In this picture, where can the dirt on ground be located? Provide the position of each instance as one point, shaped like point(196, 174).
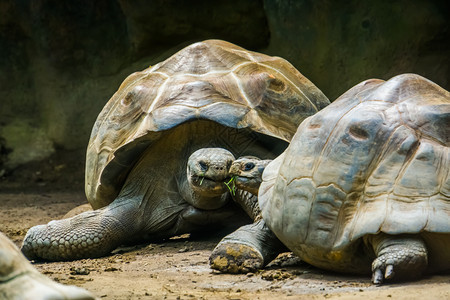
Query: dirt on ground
point(175, 268)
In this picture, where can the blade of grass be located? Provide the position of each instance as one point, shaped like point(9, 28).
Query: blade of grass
point(232, 188)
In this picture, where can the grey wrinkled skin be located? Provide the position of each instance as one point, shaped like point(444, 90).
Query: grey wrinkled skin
point(211, 94)
point(19, 280)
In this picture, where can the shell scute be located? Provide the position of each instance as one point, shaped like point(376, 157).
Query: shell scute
point(324, 215)
point(403, 143)
point(426, 161)
point(202, 58)
point(299, 192)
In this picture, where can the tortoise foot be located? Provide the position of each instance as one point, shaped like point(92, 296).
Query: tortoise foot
point(236, 258)
point(249, 248)
point(399, 259)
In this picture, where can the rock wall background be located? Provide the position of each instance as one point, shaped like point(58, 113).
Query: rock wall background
point(60, 61)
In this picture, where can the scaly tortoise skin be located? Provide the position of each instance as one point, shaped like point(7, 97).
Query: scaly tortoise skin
point(144, 177)
point(19, 280)
point(364, 185)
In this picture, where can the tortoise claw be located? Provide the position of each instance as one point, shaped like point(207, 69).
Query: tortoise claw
point(377, 277)
point(389, 273)
point(399, 258)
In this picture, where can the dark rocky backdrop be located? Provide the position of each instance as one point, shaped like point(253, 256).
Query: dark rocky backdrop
point(60, 61)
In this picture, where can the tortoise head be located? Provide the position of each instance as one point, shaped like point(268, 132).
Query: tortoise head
point(247, 172)
point(207, 170)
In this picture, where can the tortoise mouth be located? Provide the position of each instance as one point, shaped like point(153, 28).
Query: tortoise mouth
point(249, 184)
point(243, 178)
point(207, 184)
point(242, 181)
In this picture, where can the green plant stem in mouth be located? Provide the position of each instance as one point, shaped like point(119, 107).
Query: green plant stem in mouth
point(201, 176)
point(231, 185)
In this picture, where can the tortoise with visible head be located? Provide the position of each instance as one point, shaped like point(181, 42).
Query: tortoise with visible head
point(20, 280)
point(251, 246)
point(364, 185)
point(144, 177)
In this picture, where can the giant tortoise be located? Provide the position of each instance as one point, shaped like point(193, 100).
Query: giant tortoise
point(143, 178)
point(363, 187)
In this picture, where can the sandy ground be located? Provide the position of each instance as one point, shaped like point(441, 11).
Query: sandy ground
point(178, 268)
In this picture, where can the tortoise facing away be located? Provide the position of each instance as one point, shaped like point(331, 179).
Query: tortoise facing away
point(161, 147)
point(19, 280)
point(364, 185)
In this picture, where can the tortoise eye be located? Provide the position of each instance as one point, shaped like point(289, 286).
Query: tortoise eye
point(248, 166)
point(203, 165)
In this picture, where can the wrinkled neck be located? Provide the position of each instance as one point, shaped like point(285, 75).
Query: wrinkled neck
point(161, 169)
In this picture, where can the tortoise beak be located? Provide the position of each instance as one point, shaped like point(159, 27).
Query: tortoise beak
point(235, 169)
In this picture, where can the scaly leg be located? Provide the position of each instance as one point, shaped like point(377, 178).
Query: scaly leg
point(89, 234)
point(398, 257)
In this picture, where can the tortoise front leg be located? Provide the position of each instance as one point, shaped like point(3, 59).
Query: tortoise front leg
point(89, 234)
point(249, 248)
point(401, 257)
